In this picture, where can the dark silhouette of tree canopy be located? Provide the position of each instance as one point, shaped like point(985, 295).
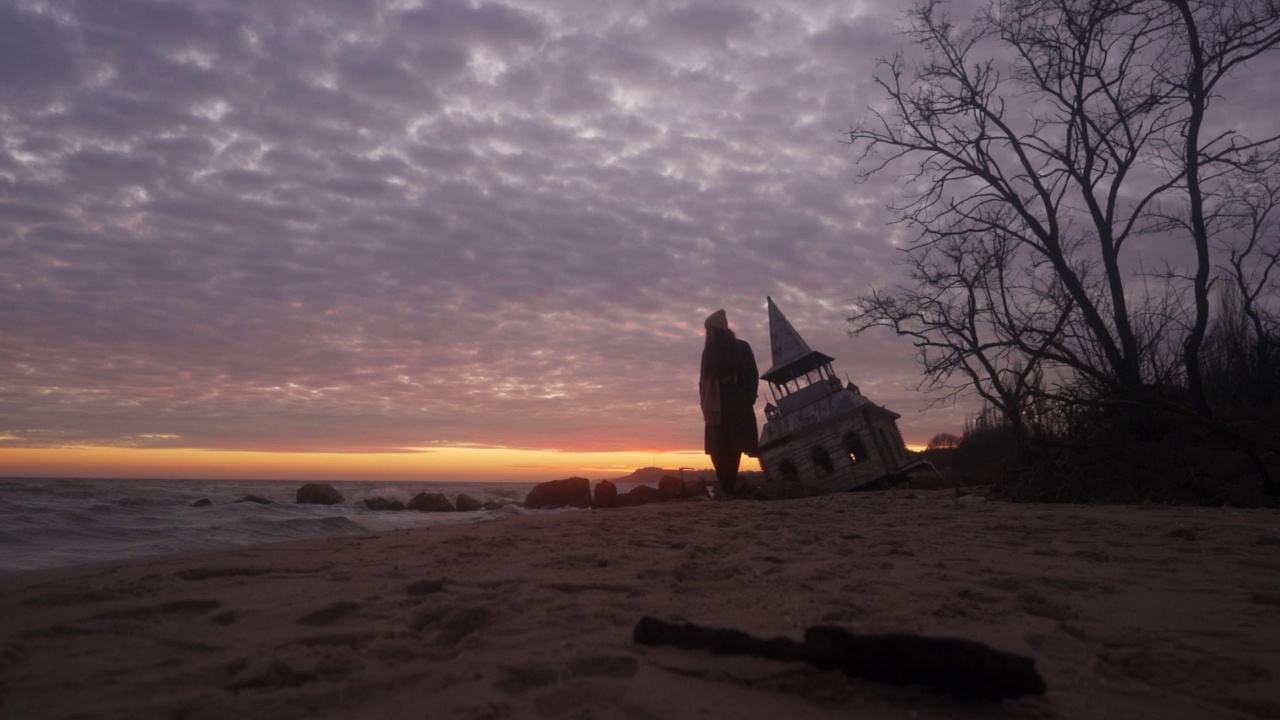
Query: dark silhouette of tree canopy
point(943, 441)
point(1050, 150)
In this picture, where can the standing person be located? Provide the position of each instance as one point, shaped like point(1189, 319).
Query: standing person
point(728, 388)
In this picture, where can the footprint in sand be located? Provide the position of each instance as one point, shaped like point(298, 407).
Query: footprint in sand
point(225, 617)
point(425, 587)
point(614, 666)
point(263, 675)
point(1166, 670)
point(452, 624)
point(53, 599)
point(54, 632)
point(219, 573)
point(327, 615)
point(177, 607)
point(519, 679)
point(1036, 604)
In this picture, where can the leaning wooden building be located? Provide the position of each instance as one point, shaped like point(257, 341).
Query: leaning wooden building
point(821, 435)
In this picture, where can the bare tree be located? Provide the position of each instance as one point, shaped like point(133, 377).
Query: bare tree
point(1046, 144)
point(1249, 319)
point(977, 322)
point(943, 441)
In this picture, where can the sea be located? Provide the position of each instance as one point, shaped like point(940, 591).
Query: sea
point(47, 523)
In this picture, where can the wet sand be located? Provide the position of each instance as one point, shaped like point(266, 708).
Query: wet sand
point(1128, 611)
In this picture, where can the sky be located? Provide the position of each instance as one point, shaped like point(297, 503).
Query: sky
point(424, 240)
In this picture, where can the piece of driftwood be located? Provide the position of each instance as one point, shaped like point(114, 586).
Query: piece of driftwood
point(962, 667)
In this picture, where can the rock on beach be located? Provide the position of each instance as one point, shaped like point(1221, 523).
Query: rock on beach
point(253, 499)
point(318, 494)
point(697, 488)
point(466, 503)
point(569, 492)
point(577, 492)
point(639, 495)
point(670, 487)
point(430, 502)
point(381, 503)
point(606, 495)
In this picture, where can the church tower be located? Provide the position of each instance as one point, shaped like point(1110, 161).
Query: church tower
point(821, 435)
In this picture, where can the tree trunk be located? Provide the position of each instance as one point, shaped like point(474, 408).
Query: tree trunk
point(1196, 100)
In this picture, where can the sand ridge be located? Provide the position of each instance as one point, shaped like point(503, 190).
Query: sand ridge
point(1128, 611)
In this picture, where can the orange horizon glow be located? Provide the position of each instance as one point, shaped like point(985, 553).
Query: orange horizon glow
point(451, 464)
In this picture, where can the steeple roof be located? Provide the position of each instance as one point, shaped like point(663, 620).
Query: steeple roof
point(792, 356)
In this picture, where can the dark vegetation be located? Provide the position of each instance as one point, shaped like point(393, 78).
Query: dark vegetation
point(1087, 452)
point(1096, 251)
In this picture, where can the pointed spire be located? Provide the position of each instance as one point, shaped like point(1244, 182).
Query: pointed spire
point(792, 356)
point(786, 343)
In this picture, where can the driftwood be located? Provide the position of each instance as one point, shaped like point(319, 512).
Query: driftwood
point(962, 667)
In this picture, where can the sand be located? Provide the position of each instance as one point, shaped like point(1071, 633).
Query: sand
point(1128, 611)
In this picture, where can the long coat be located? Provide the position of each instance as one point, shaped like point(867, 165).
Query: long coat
point(732, 367)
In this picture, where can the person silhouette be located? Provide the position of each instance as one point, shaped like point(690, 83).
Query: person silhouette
point(728, 388)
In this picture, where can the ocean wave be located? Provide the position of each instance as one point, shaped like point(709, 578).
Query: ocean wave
point(50, 523)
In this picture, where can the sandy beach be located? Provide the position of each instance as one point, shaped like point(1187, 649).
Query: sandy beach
point(1128, 612)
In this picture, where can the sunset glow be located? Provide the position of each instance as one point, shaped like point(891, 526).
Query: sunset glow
point(436, 464)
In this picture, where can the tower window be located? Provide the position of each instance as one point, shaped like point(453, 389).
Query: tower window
point(853, 445)
point(788, 471)
point(822, 461)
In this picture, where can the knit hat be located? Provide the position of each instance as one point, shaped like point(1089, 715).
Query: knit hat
point(717, 319)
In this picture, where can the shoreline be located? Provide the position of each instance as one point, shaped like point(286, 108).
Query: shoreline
point(1128, 611)
point(67, 522)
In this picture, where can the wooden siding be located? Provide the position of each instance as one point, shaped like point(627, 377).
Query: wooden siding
point(875, 431)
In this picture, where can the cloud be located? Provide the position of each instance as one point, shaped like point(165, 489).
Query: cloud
point(338, 226)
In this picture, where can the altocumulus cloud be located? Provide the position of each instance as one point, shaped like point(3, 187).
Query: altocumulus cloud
point(330, 225)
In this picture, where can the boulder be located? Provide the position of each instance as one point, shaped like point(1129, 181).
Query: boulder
point(381, 503)
point(570, 492)
point(606, 495)
point(254, 499)
point(430, 502)
point(670, 487)
point(639, 495)
point(466, 503)
point(318, 494)
point(697, 488)
point(202, 502)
